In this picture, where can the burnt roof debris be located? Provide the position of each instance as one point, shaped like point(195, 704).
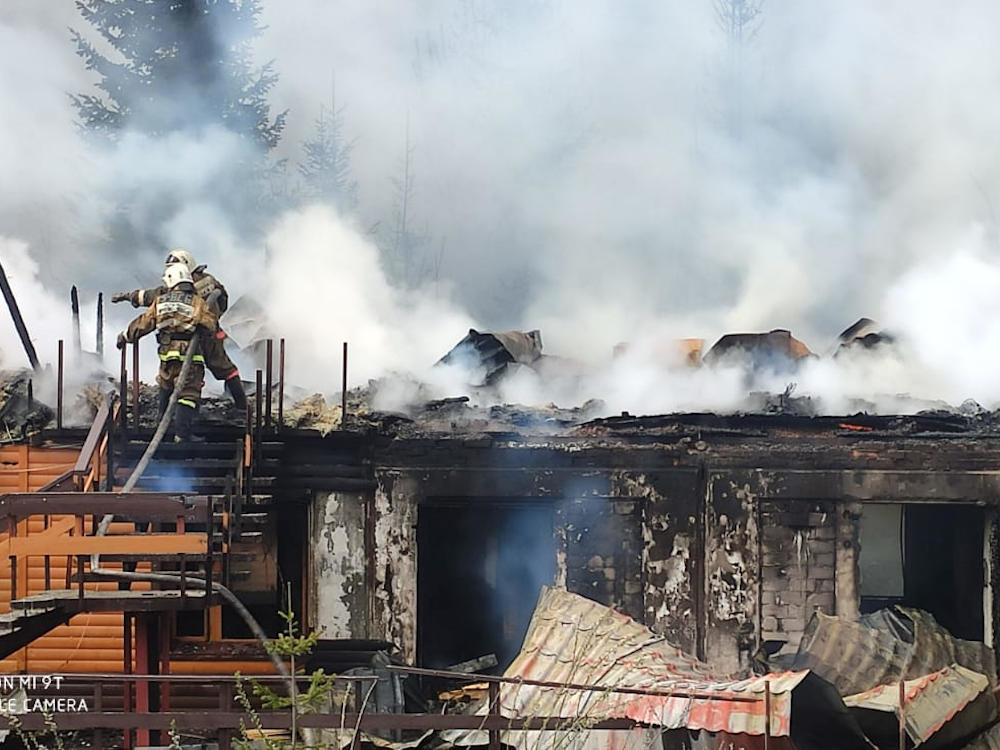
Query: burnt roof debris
point(485, 357)
point(776, 350)
point(865, 333)
point(619, 668)
point(21, 414)
point(951, 683)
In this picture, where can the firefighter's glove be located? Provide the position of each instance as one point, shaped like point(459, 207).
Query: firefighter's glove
point(121, 296)
point(120, 343)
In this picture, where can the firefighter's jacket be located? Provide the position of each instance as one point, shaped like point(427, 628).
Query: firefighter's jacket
point(176, 315)
point(208, 287)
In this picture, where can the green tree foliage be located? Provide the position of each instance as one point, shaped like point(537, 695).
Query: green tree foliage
point(326, 163)
point(177, 65)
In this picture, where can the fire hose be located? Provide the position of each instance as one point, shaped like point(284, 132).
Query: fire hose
point(133, 479)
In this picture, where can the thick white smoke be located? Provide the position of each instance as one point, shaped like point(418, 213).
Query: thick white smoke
point(605, 172)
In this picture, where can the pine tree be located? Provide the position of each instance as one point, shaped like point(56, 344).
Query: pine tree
point(326, 165)
point(185, 64)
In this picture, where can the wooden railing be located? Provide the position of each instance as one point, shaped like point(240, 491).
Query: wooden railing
point(95, 462)
point(69, 519)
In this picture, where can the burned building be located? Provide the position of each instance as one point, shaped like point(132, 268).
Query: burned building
point(734, 538)
point(718, 532)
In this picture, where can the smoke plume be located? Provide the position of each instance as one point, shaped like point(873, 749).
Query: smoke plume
point(604, 172)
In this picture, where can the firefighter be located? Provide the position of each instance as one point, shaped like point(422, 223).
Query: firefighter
point(177, 314)
point(214, 293)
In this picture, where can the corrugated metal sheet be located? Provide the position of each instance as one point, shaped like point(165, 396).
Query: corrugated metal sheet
point(890, 645)
point(575, 640)
point(930, 701)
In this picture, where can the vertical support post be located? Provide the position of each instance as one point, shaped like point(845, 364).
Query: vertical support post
point(210, 561)
point(494, 711)
point(281, 382)
point(225, 706)
point(59, 388)
point(100, 324)
point(183, 565)
point(767, 714)
point(127, 699)
point(135, 384)
point(268, 383)
point(13, 577)
point(79, 577)
point(110, 480)
point(48, 563)
point(99, 708)
point(258, 405)
point(74, 301)
point(142, 667)
point(164, 629)
point(123, 395)
point(902, 715)
point(343, 392)
point(31, 395)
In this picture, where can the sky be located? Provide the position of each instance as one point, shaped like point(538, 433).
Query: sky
point(603, 171)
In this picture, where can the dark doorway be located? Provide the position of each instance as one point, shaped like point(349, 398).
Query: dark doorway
point(926, 556)
point(480, 568)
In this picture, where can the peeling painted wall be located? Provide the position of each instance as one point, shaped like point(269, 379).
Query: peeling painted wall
point(338, 602)
point(393, 598)
point(732, 570)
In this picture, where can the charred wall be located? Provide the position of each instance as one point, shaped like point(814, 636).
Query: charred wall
point(714, 555)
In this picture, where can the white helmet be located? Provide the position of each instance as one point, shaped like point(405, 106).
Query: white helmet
point(180, 255)
point(176, 273)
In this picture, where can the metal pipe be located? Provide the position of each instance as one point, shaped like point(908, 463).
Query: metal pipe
point(281, 383)
point(343, 392)
point(135, 384)
point(267, 388)
point(15, 313)
point(100, 324)
point(74, 301)
point(59, 388)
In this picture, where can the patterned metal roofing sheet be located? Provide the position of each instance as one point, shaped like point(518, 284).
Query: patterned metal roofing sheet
point(885, 647)
point(575, 640)
point(930, 701)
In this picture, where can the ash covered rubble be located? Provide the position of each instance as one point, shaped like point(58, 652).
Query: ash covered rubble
point(487, 362)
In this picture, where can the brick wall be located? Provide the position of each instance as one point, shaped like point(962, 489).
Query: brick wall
point(798, 570)
point(603, 539)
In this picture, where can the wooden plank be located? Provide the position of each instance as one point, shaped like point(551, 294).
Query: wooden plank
point(148, 545)
point(146, 506)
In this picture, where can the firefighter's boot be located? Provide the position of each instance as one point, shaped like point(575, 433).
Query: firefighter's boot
point(235, 387)
point(184, 422)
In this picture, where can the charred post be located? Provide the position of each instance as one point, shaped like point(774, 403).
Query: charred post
point(268, 383)
point(343, 391)
point(74, 301)
point(123, 395)
point(100, 324)
point(281, 382)
point(59, 388)
point(258, 405)
point(135, 384)
point(15, 313)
